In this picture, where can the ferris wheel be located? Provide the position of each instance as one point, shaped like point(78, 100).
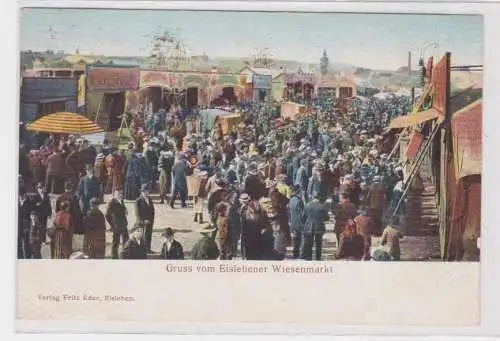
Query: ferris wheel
point(167, 52)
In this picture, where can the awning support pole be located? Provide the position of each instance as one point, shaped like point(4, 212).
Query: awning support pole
point(415, 167)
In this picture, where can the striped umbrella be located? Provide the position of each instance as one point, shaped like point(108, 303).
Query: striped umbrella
point(64, 123)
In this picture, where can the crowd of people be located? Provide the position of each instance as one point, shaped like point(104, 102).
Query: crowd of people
point(266, 185)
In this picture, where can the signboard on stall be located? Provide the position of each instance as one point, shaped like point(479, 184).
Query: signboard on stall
point(112, 79)
point(157, 78)
point(291, 78)
point(262, 81)
point(37, 89)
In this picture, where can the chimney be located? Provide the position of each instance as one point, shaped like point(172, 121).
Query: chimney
point(409, 63)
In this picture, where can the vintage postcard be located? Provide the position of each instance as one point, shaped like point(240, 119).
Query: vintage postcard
point(238, 167)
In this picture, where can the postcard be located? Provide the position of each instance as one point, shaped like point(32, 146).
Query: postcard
point(238, 167)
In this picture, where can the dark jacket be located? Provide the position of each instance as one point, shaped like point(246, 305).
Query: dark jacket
point(297, 213)
point(176, 251)
point(133, 250)
point(144, 210)
point(116, 216)
point(43, 206)
point(316, 216)
point(254, 187)
point(205, 249)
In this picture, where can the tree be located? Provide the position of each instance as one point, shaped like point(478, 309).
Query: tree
point(324, 62)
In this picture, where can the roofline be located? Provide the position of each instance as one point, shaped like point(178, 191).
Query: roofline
point(468, 107)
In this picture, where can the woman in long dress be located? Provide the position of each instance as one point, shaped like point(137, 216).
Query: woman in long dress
point(94, 224)
point(62, 233)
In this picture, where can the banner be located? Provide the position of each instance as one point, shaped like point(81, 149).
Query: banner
point(35, 90)
point(104, 79)
point(262, 81)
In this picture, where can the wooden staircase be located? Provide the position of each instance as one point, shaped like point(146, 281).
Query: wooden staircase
point(422, 216)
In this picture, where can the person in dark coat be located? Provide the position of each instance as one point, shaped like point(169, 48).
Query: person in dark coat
point(88, 188)
point(179, 172)
point(116, 216)
point(135, 247)
point(94, 224)
point(206, 248)
point(74, 207)
point(25, 207)
point(254, 186)
point(151, 158)
point(171, 249)
point(43, 208)
point(132, 177)
point(302, 180)
point(165, 164)
point(145, 214)
point(314, 228)
point(297, 215)
point(35, 236)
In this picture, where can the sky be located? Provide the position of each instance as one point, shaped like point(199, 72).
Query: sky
point(378, 41)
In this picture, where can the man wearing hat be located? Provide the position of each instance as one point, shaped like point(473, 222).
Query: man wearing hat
point(296, 209)
point(254, 187)
point(94, 224)
point(316, 215)
point(376, 200)
point(165, 164)
point(206, 248)
point(302, 179)
point(179, 172)
point(116, 216)
point(145, 214)
point(88, 188)
point(171, 249)
point(135, 247)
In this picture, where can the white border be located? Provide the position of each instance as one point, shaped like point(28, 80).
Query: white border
point(490, 233)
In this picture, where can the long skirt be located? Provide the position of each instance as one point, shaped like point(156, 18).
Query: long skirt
point(94, 244)
point(62, 244)
point(131, 188)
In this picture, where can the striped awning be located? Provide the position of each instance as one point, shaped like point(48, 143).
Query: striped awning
point(413, 119)
point(64, 123)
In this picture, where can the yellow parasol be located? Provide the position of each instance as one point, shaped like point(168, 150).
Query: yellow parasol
point(64, 123)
